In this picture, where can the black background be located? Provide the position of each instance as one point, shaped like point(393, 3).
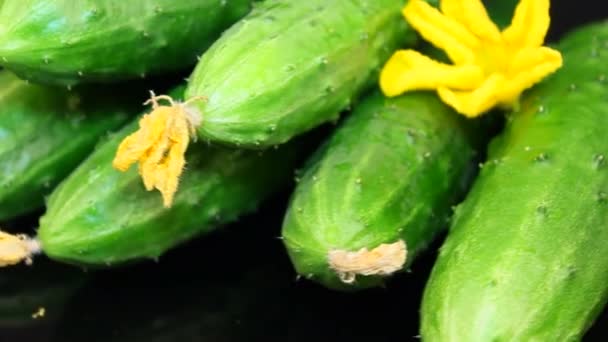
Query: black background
point(234, 285)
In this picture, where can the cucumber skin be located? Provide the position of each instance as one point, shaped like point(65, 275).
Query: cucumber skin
point(99, 216)
point(524, 259)
point(391, 171)
point(291, 65)
point(44, 133)
point(53, 41)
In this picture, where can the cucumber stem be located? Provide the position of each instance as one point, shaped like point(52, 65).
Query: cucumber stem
point(382, 260)
point(160, 144)
point(17, 248)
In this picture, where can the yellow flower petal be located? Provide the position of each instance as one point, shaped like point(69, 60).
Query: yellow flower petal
point(159, 146)
point(476, 102)
point(132, 148)
point(473, 15)
point(442, 31)
point(530, 67)
point(410, 70)
point(529, 25)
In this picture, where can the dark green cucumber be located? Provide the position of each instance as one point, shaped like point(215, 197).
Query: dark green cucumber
point(389, 173)
point(291, 65)
point(69, 42)
point(525, 258)
point(45, 132)
point(100, 216)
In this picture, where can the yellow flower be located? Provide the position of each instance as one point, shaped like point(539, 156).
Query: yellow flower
point(490, 68)
point(159, 145)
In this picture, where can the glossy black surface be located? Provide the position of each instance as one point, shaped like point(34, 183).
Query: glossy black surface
point(234, 285)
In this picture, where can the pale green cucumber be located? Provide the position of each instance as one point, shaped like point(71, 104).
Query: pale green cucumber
point(291, 65)
point(99, 216)
point(70, 42)
point(386, 177)
point(525, 258)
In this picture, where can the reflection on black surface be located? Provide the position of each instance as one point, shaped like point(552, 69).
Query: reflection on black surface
point(237, 285)
point(24, 290)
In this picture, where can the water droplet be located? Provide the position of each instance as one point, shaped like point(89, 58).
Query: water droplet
point(541, 157)
point(541, 109)
point(358, 180)
point(427, 154)
point(80, 73)
point(329, 89)
point(572, 87)
point(527, 148)
point(4, 59)
point(272, 128)
point(223, 3)
point(323, 60)
point(314, 178)
point(158, 9)
point(290, 67)
point(46, 60)
point(299, 210)
point(480, 165)
point(296, 179)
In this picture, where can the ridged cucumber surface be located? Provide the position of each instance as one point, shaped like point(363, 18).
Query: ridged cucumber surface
point(291, 65)
point(525, 258)
point(68, 42)
point(388, 175)
point(100, 216)
point(45, 132)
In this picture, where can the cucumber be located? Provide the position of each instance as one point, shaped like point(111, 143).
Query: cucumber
point(291, 65)
point(525, 256)
point(69, 42)
point(45, 132)
point(98, 217)
point(379, 190)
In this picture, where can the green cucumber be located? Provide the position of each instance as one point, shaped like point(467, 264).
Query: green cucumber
point(386, 177)
point(45, 132)
point(68, 42)
point(291, 65)
point(99, 216)
point(525, 256)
